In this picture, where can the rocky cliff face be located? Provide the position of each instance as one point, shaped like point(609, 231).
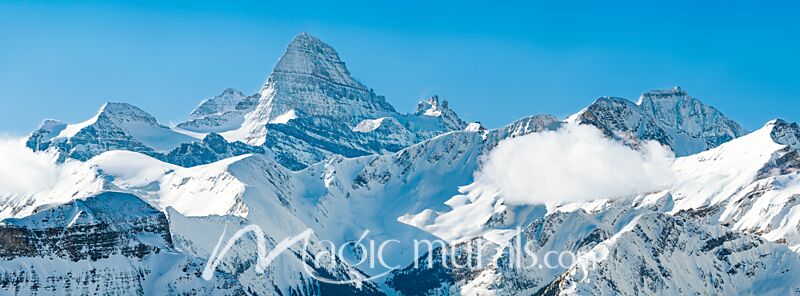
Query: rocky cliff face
point(90, 229)
point(105, 244)
point(310, 78)
point(658, 253)
point(670, 117)
point(212, 148)
point(675, 109)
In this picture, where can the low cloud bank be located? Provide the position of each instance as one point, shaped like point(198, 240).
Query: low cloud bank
point(574, 163)
point(23, 171)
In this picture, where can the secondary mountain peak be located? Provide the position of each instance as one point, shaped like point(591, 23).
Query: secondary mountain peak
point(221, 113)
point(671, 117)
point(675, 91)
point(116, 126)
point(676, 109)
point(126, 112)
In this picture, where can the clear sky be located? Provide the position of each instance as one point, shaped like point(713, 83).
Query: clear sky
point(495, 61)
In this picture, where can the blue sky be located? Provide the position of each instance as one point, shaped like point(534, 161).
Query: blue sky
point(494, 61)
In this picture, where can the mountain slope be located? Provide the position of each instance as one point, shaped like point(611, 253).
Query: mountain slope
point(237, 189)
point(106, 244)
point(398, 195)
point(661, 254)
point(120, 126)
point(750, 183)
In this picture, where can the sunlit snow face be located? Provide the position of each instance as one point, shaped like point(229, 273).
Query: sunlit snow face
point(574, 163)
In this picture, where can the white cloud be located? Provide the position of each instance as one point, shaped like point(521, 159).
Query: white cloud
point(574, 163)
point(22, 171)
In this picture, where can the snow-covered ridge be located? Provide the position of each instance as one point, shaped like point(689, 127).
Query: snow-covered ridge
point(121, 126)
point(221, 113)
point(309, 109)
point(716, 174)
point(259, 190)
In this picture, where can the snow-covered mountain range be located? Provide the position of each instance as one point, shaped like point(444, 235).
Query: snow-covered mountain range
point(142, 208)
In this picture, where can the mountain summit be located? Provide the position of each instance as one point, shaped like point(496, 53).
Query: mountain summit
point(671, 117)
point(309, 109)
point(307, 55)
point(116, 126)
point(310, 78)
point(675, 109)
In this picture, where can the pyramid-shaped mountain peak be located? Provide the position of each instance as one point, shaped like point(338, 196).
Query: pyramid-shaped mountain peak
point(309, 56)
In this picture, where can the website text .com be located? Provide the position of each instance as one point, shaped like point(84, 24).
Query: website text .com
point(366, 253)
